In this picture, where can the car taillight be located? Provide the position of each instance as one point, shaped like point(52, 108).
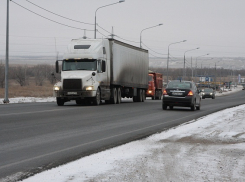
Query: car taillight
point(165, 92)
point(190, 93)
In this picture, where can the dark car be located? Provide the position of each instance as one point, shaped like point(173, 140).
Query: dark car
point(208, 93)
point(181, 93)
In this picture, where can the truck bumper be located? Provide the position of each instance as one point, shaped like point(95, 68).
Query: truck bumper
point(75, 94)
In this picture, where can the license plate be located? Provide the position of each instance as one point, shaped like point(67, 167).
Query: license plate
point(71, 93)
point(177, 93)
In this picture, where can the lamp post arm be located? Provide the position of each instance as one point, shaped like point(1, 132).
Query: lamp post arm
point(168, 55)
point(95, 17)
point(146, 29)
point(104, 6)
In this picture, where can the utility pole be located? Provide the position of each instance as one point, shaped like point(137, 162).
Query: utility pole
point(6, 100)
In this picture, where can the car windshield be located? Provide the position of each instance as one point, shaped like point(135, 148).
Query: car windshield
point(82, 64)
point(208, 90)
point(181, 85)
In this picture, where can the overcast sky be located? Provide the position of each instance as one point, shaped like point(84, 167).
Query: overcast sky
point(216, 26)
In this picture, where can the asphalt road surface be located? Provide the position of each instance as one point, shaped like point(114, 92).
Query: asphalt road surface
point(38, 136)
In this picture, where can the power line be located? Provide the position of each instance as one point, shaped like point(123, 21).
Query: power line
point(153, 50)
point(58, 14)
point(50, 19)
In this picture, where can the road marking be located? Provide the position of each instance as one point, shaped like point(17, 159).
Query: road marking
point(21, 113)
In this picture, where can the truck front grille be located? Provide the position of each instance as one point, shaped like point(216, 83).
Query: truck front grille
point(72, 84)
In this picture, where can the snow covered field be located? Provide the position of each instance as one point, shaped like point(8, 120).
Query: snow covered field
point(211, 148)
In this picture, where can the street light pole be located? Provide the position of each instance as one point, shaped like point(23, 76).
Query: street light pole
point(6, 100)
point(146, 29)
point(184, 72)
point(121, 1)
point(168, 54)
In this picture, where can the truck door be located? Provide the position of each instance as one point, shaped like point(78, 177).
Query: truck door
point(102, 78)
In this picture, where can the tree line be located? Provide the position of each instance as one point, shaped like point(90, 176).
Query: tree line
point(22, 73)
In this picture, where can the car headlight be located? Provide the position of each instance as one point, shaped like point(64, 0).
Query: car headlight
point(211, 93)
point(89, 88)
point(56, 88)
point(149, 91)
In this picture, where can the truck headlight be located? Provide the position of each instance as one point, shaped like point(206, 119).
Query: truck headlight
point(56, 88)
point(149, 91)
point(89, 88)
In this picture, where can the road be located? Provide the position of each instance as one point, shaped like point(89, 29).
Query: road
point(38, 136)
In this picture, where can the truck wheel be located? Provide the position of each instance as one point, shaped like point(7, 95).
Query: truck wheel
point(143, 95)
point(139, 95)
point(96, 100)
point(114, 95)
point(135, 98)
point(159, 95)
point(79, 101)
point(60, 102)
point(153, 97)
point(119, 96)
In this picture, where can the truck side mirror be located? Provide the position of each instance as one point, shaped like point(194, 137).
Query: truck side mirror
point(57, 66)
point(103, 66)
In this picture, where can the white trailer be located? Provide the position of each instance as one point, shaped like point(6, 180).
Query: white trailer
point(102, 69)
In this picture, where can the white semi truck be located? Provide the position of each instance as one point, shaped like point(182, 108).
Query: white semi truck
point(93, 70)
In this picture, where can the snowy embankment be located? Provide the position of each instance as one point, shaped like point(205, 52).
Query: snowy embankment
point(211, 148)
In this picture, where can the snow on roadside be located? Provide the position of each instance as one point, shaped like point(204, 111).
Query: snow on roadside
point(211, 148)
point(29, 99)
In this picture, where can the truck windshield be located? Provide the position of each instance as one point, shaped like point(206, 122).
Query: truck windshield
point(82, 64)
point(150, 78)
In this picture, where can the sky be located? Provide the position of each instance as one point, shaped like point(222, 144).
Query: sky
point(210, 148)
point(216, 26)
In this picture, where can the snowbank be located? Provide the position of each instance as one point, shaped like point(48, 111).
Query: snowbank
point(209, 149)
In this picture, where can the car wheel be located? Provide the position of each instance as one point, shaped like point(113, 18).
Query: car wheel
point(164, 106)
point(193, 107)
point(199, 106)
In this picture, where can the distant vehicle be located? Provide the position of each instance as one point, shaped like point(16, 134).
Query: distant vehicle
point(208, 93)
point(102, 69)
point(154, 85)
point(181, 93)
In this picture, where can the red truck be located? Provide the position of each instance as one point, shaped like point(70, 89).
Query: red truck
point(154, 85)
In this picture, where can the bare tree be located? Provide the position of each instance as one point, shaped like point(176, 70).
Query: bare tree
point(40, 74)
point(2, 75)
point(20, 75)
point(51, 75)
